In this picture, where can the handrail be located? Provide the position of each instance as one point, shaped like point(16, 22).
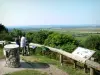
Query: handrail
point(93, 64)
point(90, 63)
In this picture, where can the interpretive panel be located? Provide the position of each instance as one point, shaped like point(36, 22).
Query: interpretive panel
point(83, 52)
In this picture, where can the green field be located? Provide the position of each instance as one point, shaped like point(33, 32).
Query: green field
point(77, 30)
point(79, 33)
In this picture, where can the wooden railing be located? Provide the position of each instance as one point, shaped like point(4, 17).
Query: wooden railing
point(90, 63)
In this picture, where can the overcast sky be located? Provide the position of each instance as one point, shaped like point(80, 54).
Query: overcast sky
point(47, 12)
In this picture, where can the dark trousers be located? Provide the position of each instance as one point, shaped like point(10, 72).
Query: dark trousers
point(23, 50)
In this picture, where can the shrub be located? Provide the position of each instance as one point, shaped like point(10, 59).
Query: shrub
point(16, 32)
point(38, 51)
point(97, 56)
point(68, 47)
point(66, 42)
point(39, 36)
point(5, 36)
point(93, 42)
point(29, 36)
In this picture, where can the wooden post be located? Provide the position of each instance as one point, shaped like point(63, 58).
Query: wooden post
point(85, 68)
point(61, 59)
point(28, 49)
point(3, 44)
point(91, 69)
point(75, 64)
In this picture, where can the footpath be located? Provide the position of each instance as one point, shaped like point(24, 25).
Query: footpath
point(49, 69)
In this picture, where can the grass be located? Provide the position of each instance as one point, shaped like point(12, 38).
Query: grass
point(39, 58)
point(73, 71)
point(68, 68)
point(1, 53)
point(26, 72)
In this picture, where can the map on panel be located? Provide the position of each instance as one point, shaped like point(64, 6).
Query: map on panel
point(83, 52)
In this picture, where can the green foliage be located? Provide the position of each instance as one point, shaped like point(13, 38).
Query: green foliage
point(41, 36)
point(1, 52)
point(46, 52)
point(38, 51)
point(38, 37)
point(5, 36)
point(93, 42)
point(3, 28)
point(68, 47)
point(97, 56)
point(16, 32)
point(29, 36)
point(52, 55)
point(63, 41)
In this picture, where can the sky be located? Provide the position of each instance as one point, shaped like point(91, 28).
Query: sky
point(49, 12)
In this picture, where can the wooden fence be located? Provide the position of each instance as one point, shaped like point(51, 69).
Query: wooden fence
point(90, 63)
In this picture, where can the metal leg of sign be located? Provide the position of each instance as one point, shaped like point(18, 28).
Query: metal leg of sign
point(75, 64)
point(85, 68)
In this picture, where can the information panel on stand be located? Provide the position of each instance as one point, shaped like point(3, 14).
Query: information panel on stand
point(83, 52)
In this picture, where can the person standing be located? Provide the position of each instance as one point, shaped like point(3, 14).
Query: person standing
point(23, 44)
point(17, 40)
